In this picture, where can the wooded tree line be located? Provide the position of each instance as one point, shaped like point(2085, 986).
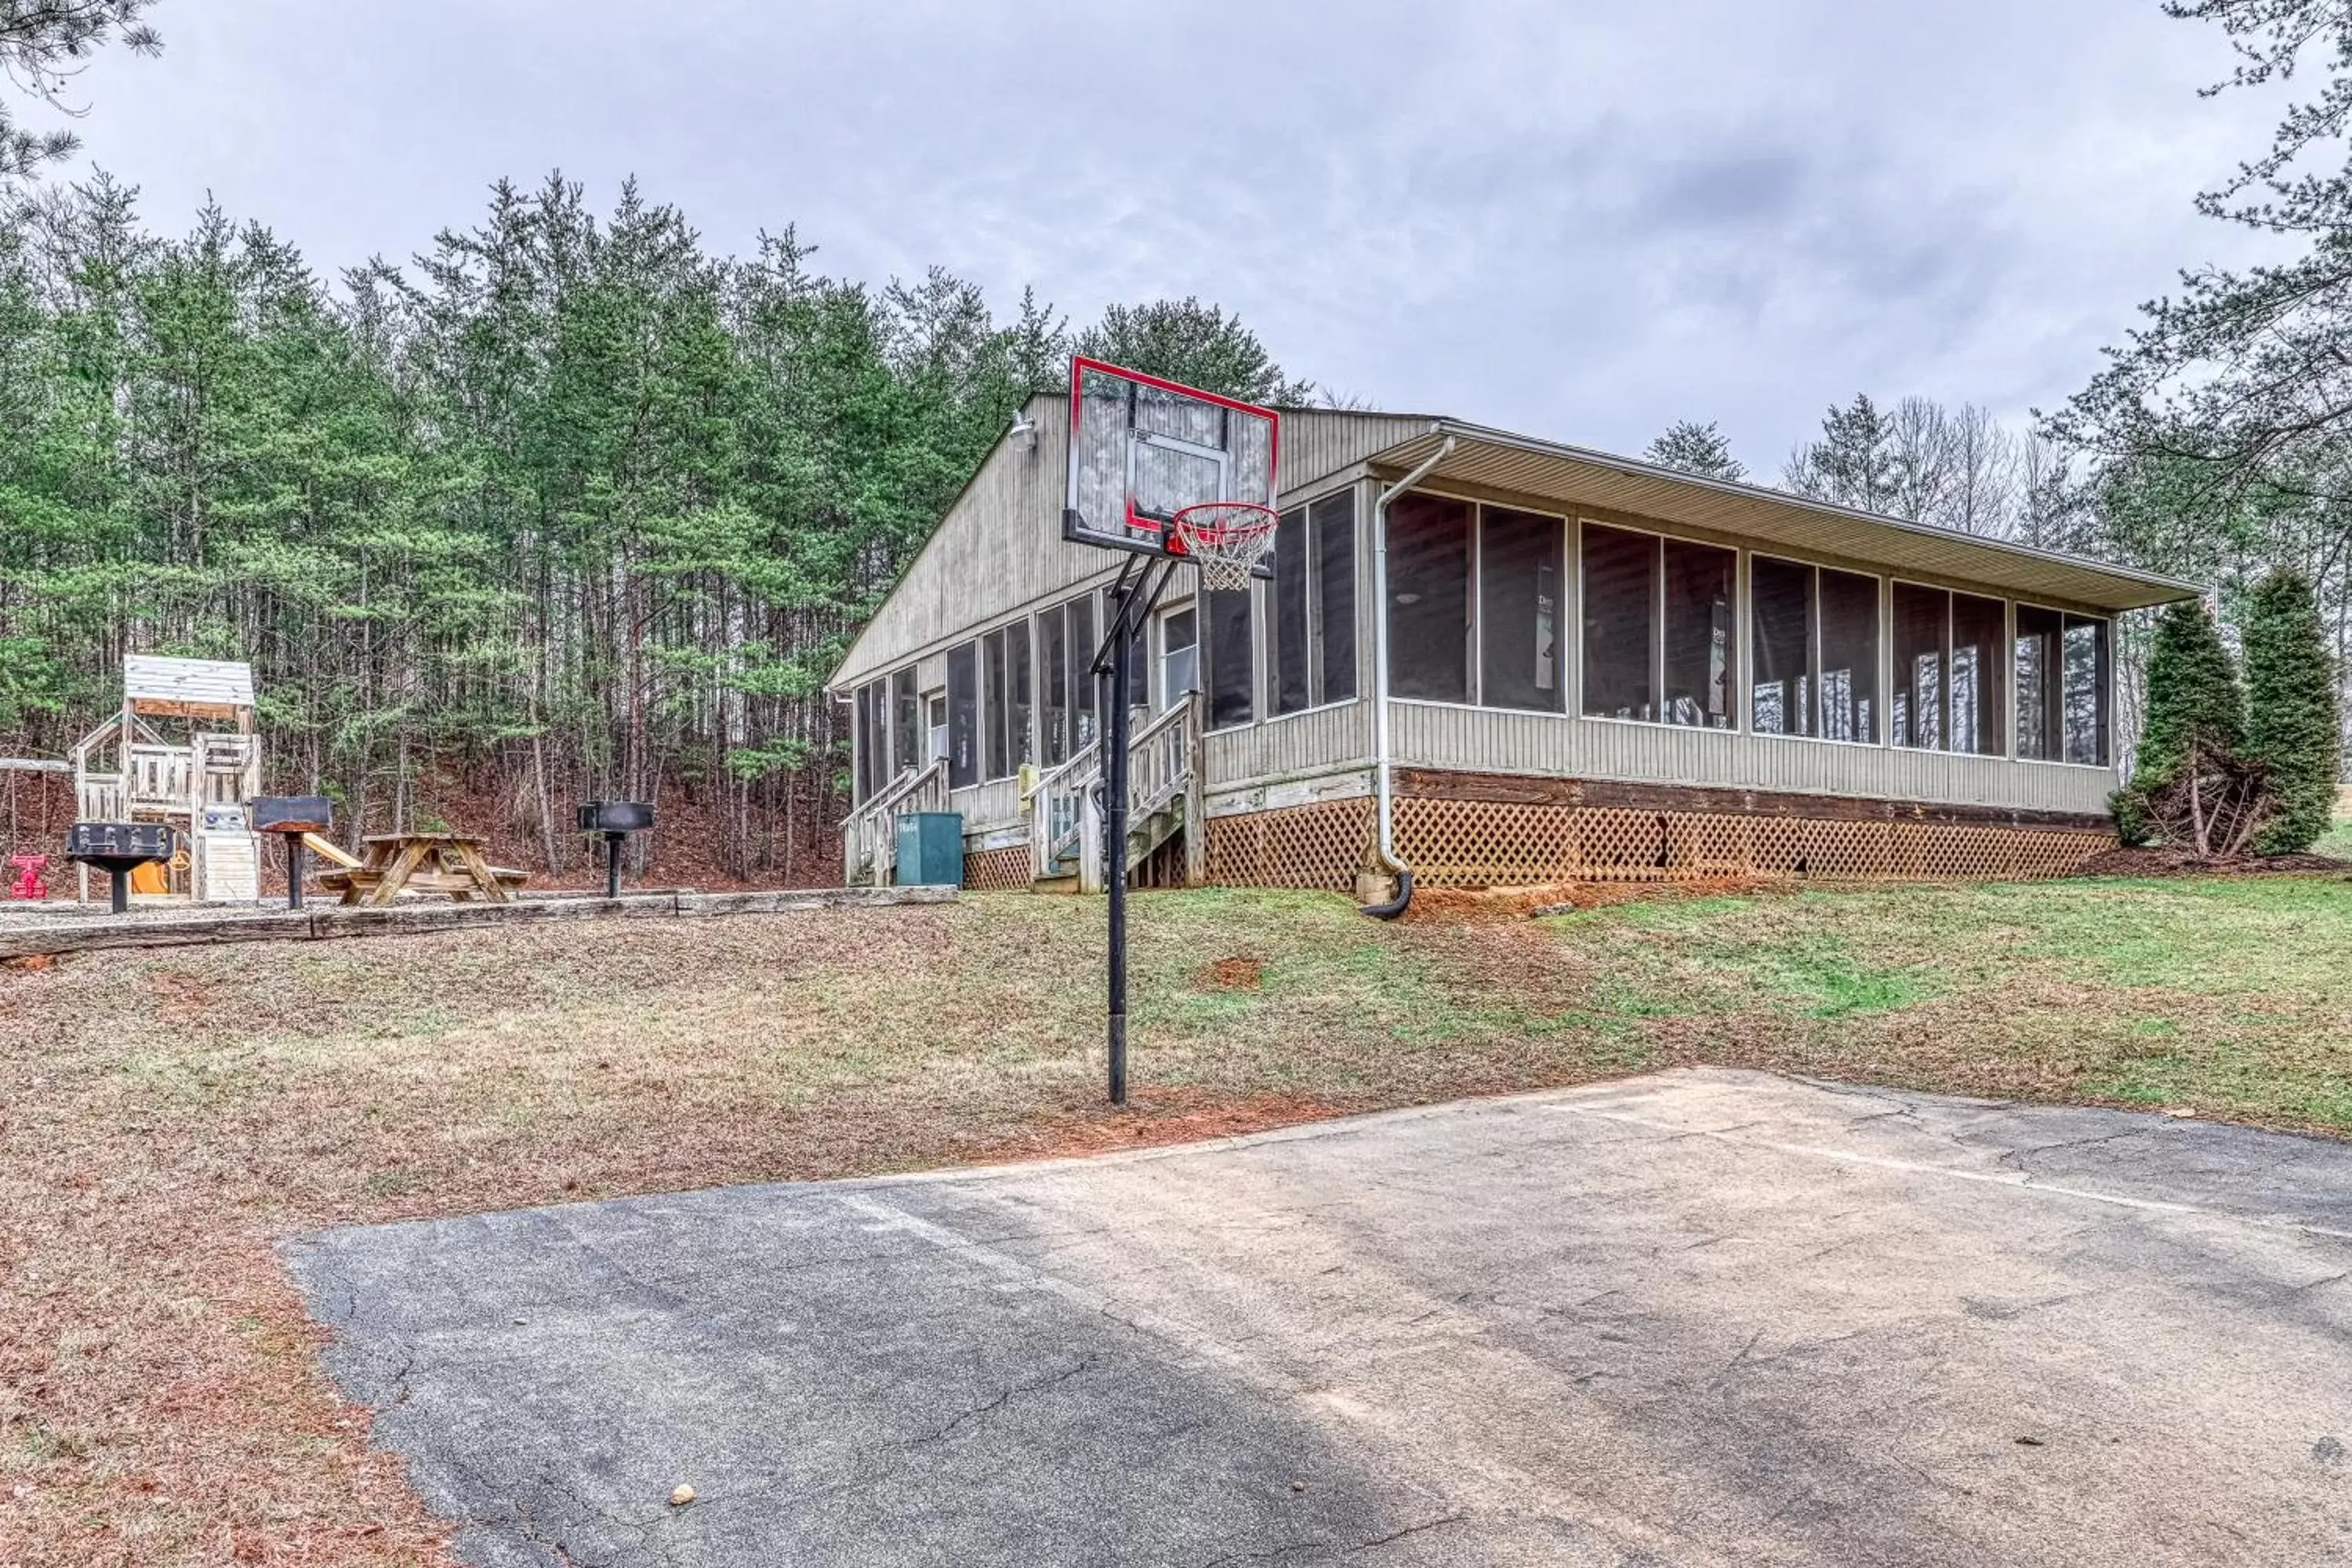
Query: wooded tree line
point(568, 506)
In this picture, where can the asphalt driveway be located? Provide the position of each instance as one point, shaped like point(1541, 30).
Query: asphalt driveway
point(1705, 1317)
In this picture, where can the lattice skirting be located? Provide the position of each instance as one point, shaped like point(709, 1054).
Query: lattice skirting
point(1318, 846)
point(987, 869)
point(1476, 843)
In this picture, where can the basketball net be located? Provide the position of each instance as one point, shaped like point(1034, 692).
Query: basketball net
point(1226, 539)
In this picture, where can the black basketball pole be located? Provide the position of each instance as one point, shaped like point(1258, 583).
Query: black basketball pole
point(1132, 612)
point(1115, 833)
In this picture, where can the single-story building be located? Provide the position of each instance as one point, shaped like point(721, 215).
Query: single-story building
point(1596, 668)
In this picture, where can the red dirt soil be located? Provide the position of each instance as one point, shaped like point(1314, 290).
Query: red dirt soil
point(1153, 1118)
point(1473, 905)
point(2180, 863)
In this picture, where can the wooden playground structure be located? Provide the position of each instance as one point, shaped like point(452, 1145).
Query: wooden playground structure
point(182, 750)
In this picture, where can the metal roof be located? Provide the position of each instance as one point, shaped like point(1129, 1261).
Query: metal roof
point(210, 683)
point(1499, 460)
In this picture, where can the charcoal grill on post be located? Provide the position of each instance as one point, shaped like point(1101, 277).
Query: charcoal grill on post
point(118, 846)
point(615, 819)
point(289, 817)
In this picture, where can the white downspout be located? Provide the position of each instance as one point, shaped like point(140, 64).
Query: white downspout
point(1382, 771)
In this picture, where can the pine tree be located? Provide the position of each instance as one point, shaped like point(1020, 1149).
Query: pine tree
point(1697, 449)
point(44, 45)
point(2194, 702)
point(2291, 723)
point(1854, 462)
point(1198, 344)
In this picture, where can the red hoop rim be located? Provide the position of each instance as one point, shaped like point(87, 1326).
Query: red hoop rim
point(1259, 519)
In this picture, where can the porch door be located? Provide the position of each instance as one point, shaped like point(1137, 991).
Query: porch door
point(1180, 656)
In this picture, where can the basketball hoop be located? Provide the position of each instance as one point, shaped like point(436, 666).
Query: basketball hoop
point(1226, 539)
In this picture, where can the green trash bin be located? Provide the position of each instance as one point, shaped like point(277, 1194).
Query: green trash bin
point(930, 848)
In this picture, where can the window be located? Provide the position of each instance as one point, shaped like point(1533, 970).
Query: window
point(1233, 670)
point(2063, 666)
point(1697, 640)
point(1978, 628)
point(1914, 715)
point(868, 775)
point(1180, 646)
point(1621, 621)
point(1082, 683)
point(2083, 713)
point(1335, 598)
point(1138, 661)
point(1780, 606)
point(1054, 686)
point(1518, 610)
point(1291, 598)
point(992, 676)
point(1657, 628)
point(1019, 749)
point(1429, 598)
point(1946, 695)
point(1313, 606)
point(935, 715)
point(963, 716)
point(1816, 651)
point(906, 720)
point(1848, 680)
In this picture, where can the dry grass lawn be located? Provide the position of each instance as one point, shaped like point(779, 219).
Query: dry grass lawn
point(166, 1117)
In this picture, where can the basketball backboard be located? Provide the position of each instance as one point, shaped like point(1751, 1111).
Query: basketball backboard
point(1143, 449)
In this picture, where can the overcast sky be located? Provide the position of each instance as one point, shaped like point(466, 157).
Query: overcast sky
point(1575, 219)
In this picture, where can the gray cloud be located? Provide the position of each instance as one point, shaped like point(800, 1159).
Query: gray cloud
point(1579, 220)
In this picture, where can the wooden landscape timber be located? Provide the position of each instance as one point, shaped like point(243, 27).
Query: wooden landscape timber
point(46, 937)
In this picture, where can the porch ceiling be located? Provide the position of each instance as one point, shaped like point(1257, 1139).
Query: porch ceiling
point(1573, 475)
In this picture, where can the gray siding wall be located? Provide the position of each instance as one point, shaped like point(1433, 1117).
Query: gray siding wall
point(1479, 739)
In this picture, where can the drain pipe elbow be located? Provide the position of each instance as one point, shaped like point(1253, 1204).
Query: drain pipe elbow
point(1383, 784)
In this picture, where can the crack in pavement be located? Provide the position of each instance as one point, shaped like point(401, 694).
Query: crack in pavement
point(999, 1402)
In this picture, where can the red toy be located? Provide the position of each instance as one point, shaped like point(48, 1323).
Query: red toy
point(28, 883)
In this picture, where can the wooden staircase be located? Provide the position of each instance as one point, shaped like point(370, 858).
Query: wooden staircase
point(1164, 776)
point(869, 838)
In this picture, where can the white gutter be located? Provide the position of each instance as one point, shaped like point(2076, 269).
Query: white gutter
point(1382, 771)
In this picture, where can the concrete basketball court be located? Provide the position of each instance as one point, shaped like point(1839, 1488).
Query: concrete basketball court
point(1706, 1317)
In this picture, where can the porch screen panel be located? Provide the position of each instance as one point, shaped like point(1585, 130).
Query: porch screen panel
point(1018, 674)
point(992, 675)
point(906, 723)
point(1233, 668)
point(2085, 681)
point(1291, 621)
point(963, 716)
point(1847, 676)
point(1519, 563)
point(1429, 598)
point(1699, 580)
point(1978, 676)
point(2039, 699)
point(1138, 661)
point(1915, 712)
point(862, 769)
point(1335, 598)
point(1085, 688)
point(1780, 606)
point(1621, 623)
point(1052, 687)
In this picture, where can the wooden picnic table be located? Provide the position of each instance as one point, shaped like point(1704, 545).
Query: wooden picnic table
point(450, 863)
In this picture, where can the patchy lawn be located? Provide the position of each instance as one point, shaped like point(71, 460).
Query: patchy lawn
point(166, 1117)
